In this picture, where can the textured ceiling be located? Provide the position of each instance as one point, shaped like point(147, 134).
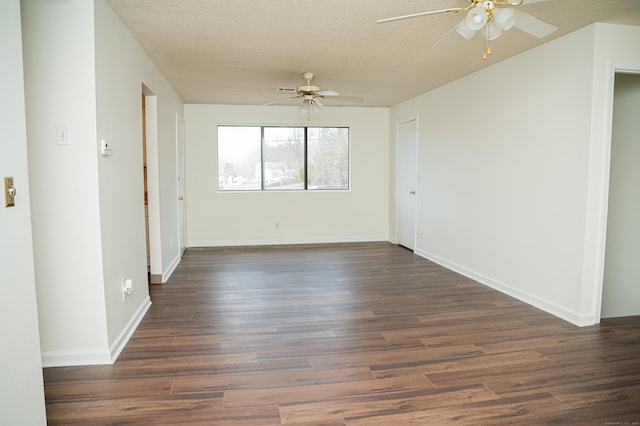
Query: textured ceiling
point(239, 51)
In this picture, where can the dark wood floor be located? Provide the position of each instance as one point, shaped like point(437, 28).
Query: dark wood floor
point(350, 334)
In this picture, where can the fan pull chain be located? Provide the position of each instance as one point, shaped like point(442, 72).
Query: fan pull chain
point(486, 53)
point(487, 44)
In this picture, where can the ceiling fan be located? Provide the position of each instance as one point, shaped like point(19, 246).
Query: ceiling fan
point(312, 96)
point(485, 16)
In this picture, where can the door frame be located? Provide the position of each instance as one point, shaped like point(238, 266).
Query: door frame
point(611, 279)
point(153, 186)
point(599, 184)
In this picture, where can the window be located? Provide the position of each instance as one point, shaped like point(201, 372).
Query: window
point(254, 158)
point(283, 158)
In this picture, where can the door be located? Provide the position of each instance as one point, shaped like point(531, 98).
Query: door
point(406, 179)
point(182, 228)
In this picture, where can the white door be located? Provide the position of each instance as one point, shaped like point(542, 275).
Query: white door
point(182, 228)
point(406, 184)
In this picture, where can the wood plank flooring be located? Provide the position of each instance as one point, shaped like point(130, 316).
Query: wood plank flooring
point(349, 334)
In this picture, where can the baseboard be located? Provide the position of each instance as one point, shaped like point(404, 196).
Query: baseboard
point(123, 338)
point(69, 359)
point(166, 274)
point(169, 271)
point(538, 302)
point(99, 357)
point(288, 241)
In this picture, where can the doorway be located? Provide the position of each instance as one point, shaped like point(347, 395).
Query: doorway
point(621, 283)
point(152, 198)
point(406, 183)
point(146, 185)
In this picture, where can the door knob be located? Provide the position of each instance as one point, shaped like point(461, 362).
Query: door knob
point(181, 198)
point(412, 192)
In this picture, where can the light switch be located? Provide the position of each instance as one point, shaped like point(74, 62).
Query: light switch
point(62, 135)
point(9, 192)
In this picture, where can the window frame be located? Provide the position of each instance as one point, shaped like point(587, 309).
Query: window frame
point(305, 159)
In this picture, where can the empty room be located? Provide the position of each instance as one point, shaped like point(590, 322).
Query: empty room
point(320, 212)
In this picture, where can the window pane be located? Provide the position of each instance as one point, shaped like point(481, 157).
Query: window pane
point(239, 158)
point(283, 157)
point(328, 161)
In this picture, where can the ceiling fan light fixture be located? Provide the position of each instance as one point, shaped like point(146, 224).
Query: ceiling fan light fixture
point(491, 31)
point(464, 30)
point(504, 18)
point(476, 18)
point(310, 104)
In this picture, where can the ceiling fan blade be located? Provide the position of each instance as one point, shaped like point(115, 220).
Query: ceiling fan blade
point(532, 25)
point(327, 93)
point(415, 15)
point(447, 38)
point(282, 100)
point(345, 98)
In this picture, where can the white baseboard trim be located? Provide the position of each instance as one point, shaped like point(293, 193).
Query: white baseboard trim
point(289, 241)
point(172, 267)
point(123, 338)
point(98, 357)
point(550, 307)
point(69, 359)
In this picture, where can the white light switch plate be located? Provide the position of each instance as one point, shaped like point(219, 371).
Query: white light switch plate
point(62, 135)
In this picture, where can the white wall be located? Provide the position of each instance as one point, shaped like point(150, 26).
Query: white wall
point(621, 292)
point(121, 186)
point(504, 166)
point(217, 219)
point(21, 389)
point(83, 69)
point(59, 52)
point(121, 69)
